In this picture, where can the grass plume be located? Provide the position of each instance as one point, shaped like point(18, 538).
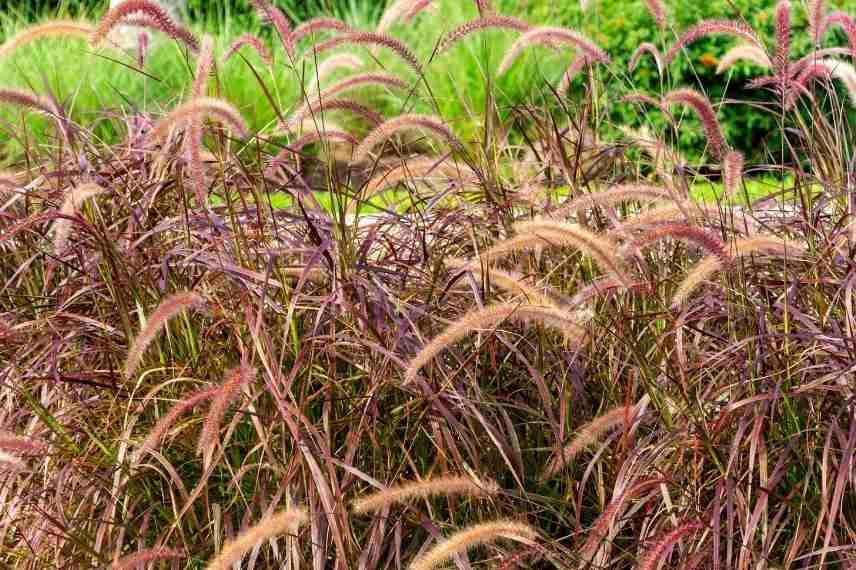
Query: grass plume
point(552, 36)
point(132, 561)
point(713, 27)
point(166, 310)
point(706, 113)
point(154, 15)
point(444, 486)
point(407, 121)
point(586, 436)
point(163, 425)
point(475, 535)
point(228, 392)
point(598, 247)
point(612, 197)
point(490, 317)
point(74, 199)
point(372, 39)
point(745, 52)
point(51, 28)
point(195, 108)
point(252, 41)
point(492, 22)
point(660, 549)
point(316, 25)
point(284, 522)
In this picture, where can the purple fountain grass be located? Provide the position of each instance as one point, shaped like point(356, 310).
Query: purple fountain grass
point(686, 210)
point(406, 122)
point(711, 27)
point(646, 47)
point(316, 25)
point(401, 10)
point(597, 246)
point(490, 317)
point(707, 115)
point(847, 23)
point(552, 36)
point(712, 264)
point(158, 431)
point(20, 98)
point(315, 107)
point(20, 444)
point(588, 435)
point(9, 462)
point(510, 282)
point(485, 7)
point(463, 540)
point(746, 52)
point(201, 106)
point(701, 272)
point(284, 522)
point(335, 62)
point(166, 310)
point(641, 98)
point(155, 16)
point(613, 196)
point(204, 67)
point(252, 41)
point(608, 284)
point(816, 10)
point(286, 156)
point(663, 546)
point(492, 22)
point(74, 199)
point(273, 16)
point(708, 241)
point(321, 135)
point(732, 172)
point(447, 485)
point(840, 70)
point(363, 80)
point(658, 11)
point(783, 38)
point(228, 392)
point(193, 140)
point(369, 38)
point(571, 72)
point(132, 561)
point(531, 554)
point(142, 48)
point(416, 8)
point(599, 531)
point(59, 28)
point(421, 167)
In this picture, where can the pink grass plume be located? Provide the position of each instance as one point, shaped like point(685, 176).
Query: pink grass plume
point(166, 310)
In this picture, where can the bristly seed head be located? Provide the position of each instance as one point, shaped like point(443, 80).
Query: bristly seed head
point(154, 16)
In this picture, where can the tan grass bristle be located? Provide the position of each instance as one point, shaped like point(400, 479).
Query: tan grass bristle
point(59, 28)
point(483, 533)
point(284, 522)
point(599, 247)
point(588, 435)
point(74, 199)
point(199, 107)
point(447, 485)
point(166, 310)
point(491, 316)
point(407, 121)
